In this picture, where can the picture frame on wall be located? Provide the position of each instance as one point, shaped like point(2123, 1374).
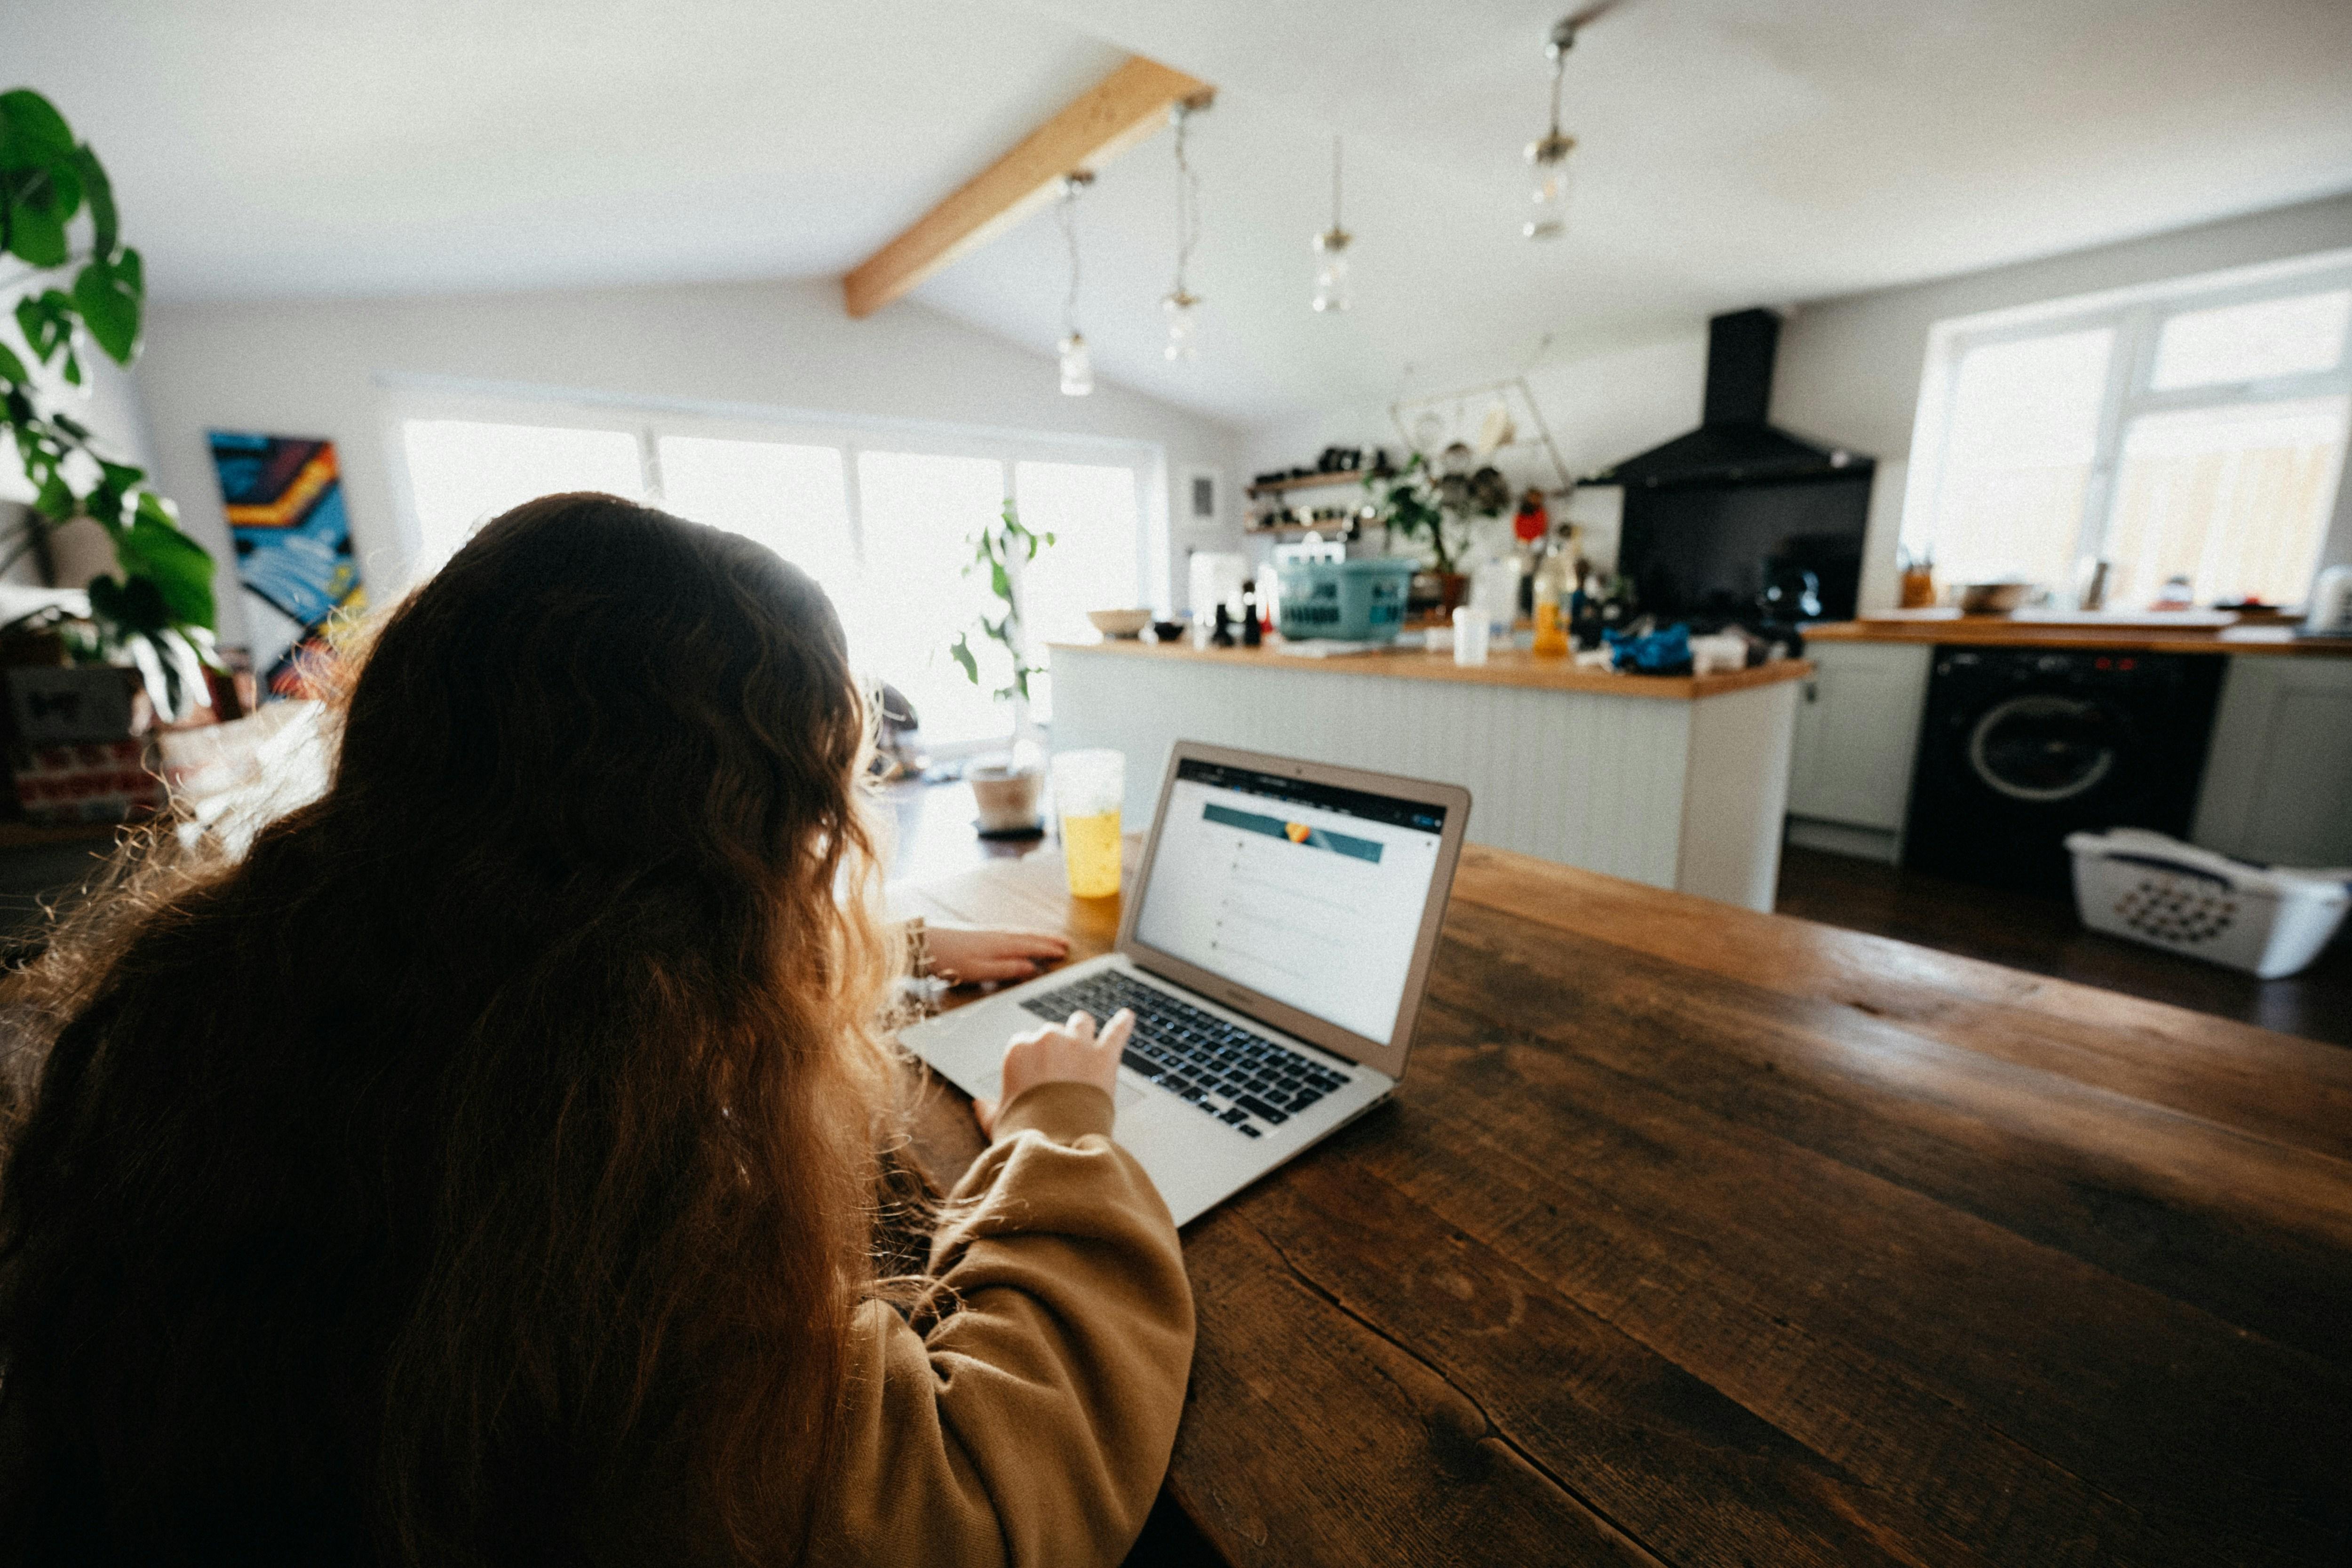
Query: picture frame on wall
point(1200, 503)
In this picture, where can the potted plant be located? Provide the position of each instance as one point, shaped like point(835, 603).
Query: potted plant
point(1436, 510)
point(1006, 789)
point(80, 286)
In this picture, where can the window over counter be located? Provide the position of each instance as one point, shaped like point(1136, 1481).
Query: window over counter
point(2191, 432)
point(880, 518)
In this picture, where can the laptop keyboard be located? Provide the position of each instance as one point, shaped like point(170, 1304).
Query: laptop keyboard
point(1237, 1076)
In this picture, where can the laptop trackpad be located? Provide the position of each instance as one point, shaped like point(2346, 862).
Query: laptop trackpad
point(986, 1085)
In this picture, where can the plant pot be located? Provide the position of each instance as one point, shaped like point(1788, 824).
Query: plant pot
point(1439, 594)
point(1007, 798)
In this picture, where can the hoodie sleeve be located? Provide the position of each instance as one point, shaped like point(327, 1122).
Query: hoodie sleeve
point(1032, 1422)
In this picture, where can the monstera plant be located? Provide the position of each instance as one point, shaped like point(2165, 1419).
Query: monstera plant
point(78, 287)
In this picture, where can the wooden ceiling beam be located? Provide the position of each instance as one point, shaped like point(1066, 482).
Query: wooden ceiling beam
point(1117, 112)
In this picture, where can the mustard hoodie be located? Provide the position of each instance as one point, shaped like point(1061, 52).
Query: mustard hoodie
point(1031, 1423)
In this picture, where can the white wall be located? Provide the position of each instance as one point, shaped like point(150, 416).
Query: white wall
point(1848, 372)
point(1600, 408)
point(311, 368)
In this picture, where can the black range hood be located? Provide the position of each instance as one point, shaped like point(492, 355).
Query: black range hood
point(1734, 444)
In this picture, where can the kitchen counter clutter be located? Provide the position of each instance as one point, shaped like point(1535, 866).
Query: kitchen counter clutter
point(1675, 781)
point(1503, 666)
point(2191, 631)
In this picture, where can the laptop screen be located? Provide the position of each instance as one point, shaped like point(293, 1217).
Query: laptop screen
point(1306, 893)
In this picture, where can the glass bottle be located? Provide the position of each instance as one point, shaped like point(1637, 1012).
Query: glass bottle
point(1552, 589)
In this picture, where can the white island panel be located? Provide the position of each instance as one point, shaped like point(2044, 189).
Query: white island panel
point(1588, 779)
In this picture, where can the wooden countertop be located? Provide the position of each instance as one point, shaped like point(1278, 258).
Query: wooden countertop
point(1503, 666)
point(1695, 1234)
point(2197, 632)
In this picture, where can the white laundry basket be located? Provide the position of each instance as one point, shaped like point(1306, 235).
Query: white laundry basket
point(2145, 887)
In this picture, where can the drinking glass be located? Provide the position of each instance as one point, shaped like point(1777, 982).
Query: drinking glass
point(1087, 786)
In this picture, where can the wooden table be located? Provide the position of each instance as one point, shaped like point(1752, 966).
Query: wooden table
point(1696, 1235)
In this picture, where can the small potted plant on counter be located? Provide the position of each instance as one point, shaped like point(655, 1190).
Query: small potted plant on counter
point(1006, 788)
point(1434, 510)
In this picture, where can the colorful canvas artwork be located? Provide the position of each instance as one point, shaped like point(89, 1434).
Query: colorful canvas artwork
point(285, 503)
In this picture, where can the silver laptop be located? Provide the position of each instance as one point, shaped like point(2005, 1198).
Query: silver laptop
point(1275, 946)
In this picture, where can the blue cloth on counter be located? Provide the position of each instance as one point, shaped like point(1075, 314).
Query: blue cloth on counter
point(1668, 652)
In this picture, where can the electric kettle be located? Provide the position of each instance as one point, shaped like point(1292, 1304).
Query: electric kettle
point(2331, 605)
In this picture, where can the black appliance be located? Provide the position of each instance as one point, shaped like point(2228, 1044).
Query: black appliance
point(2021, 747)
point(1738, 521)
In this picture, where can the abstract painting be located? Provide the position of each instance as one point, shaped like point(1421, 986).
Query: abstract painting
point(284, 498)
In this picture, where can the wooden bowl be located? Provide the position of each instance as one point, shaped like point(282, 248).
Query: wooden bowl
point(1992, 598)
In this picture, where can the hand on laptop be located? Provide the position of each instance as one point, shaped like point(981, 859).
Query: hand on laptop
point(1074, 1053)
point(965, 957)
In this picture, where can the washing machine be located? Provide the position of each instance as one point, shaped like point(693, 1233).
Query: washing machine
point(2021, 747)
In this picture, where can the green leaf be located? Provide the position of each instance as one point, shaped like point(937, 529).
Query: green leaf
point(32, 132)
point(109, 302)
point(46, 321)
point(960, 651)
point(156, 556)
point(98, 191)
point(12, 369)
point(54, 499)
point(36, 230)
point(1000, 585)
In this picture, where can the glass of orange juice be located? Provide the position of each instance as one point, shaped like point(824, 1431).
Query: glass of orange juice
point(1087, 786)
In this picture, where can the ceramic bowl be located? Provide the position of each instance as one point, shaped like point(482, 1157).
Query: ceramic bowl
point(1119, 623)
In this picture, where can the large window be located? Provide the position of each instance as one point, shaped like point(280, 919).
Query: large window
point(880, 520)
point(2194, 432)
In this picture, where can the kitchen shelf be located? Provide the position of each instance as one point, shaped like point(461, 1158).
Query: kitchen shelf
point(1334, 531)
point(1310, 481)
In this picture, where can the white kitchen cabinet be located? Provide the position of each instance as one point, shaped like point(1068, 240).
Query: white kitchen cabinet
point(2278, 782)
point(1858, 733)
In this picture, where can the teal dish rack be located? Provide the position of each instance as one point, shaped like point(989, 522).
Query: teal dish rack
point(1351, 601)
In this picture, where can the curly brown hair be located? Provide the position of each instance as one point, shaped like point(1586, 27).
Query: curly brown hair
point(481, 1169)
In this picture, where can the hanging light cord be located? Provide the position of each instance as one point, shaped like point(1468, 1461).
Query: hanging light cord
point(1558, 69)
point(1188, 202)
point(1336, 225)
point(1067, 212)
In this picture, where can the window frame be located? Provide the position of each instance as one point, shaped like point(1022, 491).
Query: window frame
point(2136, 317)
point(407, 398)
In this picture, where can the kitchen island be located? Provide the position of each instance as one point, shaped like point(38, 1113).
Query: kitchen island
point(1674, 781)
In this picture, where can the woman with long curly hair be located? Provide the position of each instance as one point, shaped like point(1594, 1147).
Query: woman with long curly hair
point(492, 1165)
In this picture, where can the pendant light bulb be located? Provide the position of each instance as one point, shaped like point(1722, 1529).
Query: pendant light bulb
point(1180, 305)
point(1548, 154)
point(1547, 203)
point(1332, 270)
point(1331, 290)
point(1183, 324)
point(1076, 365)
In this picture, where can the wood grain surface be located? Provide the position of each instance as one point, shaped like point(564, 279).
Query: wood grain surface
point(1694, 1236)
point(2080, 633)
point(1503, 666)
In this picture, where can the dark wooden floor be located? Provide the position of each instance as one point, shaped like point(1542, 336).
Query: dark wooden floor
point(2044, 937)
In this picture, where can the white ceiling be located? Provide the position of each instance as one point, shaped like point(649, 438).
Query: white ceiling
point(1731, 153)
